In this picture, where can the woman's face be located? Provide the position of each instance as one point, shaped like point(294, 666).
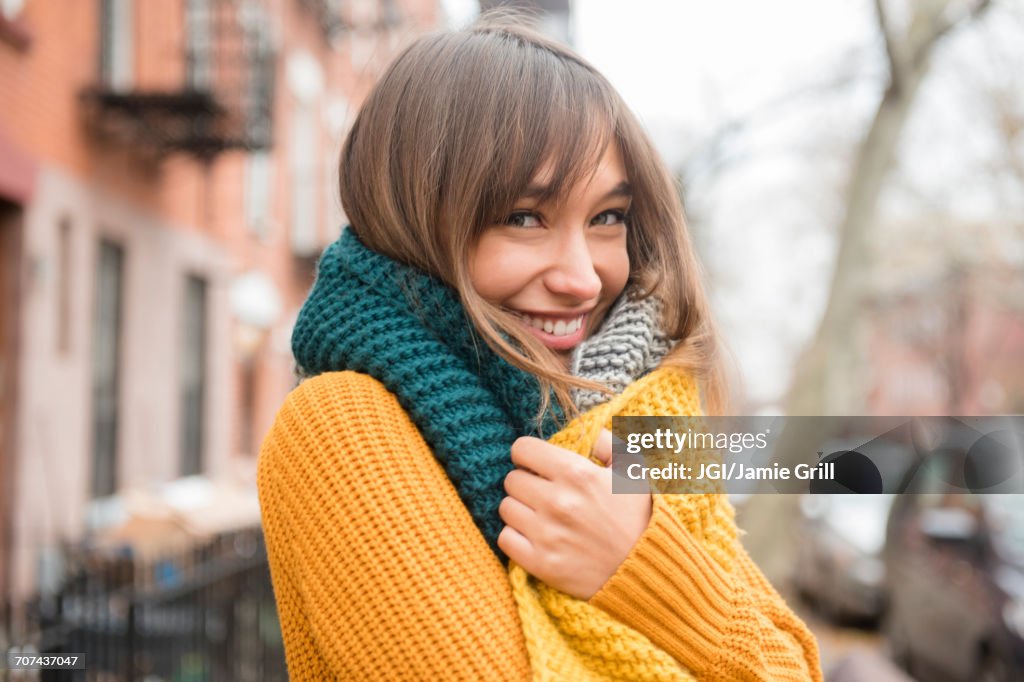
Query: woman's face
point(559, 266)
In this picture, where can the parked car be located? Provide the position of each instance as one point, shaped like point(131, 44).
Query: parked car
point(839, 565)
point(954, 566)
point(839, 554)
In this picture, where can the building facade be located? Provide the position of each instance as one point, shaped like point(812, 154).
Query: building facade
point(167, 179)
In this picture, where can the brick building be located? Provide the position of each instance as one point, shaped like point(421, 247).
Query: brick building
point(167, 177)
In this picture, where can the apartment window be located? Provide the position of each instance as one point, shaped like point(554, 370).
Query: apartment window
point(117, 47)
point(363, 43)
point(259, 190)
point(247, 389)
point(258, 88)
point(193, 376)
point(305, 176)
point(106, 366)
point(334, 217)
point(199, 23)
point(64, 280)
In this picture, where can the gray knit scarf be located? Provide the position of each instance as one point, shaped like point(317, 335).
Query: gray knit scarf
point(629, 344)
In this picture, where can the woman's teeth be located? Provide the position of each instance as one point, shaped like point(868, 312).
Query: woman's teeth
point(555, 327)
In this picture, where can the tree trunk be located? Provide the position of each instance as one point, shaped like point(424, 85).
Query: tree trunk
point(829, 377)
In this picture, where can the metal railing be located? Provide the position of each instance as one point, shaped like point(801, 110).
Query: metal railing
point(206, 613)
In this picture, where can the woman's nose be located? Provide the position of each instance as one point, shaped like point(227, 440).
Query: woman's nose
point(574, 271)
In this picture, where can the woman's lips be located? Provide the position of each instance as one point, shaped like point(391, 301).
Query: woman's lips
point(557, 333)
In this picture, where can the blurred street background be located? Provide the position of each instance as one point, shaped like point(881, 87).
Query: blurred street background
point(853, 174)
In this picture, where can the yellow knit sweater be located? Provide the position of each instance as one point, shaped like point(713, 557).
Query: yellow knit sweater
point(380, 573)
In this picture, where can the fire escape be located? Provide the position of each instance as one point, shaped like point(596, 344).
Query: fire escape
point(334, 24)
point(215, 94)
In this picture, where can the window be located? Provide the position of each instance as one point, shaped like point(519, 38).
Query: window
point(334, 216)
point(305, 171)
point(193, 376)
point(259, 190)
point(106, 365)
point(64, 286)
point(116, 44)
point(198, 22)
point(247, 388)
point(258, 48)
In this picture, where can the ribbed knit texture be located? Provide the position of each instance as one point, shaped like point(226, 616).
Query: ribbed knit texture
point(371, 314)
point(572, 640)
point(629, 344)
point(380, 573)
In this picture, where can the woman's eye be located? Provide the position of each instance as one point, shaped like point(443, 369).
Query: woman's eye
point(522, 219)
point(611, 217)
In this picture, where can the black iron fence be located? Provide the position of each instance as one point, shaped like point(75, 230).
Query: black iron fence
point(207, 613)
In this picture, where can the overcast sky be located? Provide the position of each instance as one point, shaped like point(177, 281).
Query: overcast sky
point(687, 67)
point(679, 59)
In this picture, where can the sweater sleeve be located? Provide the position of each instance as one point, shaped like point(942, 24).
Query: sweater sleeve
point(722, 624)
point(378, 569)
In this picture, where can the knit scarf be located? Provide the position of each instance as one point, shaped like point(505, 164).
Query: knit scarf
point(371, 314)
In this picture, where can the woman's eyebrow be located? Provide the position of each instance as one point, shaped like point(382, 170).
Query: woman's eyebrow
point(623, 189)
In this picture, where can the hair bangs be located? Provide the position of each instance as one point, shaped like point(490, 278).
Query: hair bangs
point(552, 139)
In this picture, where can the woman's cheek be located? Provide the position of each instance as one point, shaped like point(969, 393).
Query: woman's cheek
point(499, 269)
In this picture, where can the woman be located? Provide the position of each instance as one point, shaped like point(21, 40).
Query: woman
point(516, 269)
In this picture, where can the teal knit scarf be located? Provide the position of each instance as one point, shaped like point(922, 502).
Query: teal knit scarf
point(469, 403)
point(371, 314)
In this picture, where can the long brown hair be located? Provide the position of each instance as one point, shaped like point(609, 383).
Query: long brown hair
point(454, 133)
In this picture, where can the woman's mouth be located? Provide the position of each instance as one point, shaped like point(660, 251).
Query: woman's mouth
point(557, 333)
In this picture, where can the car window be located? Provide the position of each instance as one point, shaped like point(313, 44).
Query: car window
point(860, 519)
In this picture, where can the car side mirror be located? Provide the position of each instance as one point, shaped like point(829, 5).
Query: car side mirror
point(950, 525)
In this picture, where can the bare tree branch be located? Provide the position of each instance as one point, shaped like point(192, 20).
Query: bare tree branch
point(895, 65)
point(935, 25)
point(717, 153)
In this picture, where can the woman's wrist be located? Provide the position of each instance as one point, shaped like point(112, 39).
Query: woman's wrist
point(670, 589)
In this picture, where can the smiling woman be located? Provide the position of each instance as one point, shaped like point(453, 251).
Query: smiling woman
point(559, 265)
point(436, 497)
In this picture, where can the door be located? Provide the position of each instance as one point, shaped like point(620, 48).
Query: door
point(10, 292)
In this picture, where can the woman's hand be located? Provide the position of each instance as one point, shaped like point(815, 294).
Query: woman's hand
point(563, 524)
